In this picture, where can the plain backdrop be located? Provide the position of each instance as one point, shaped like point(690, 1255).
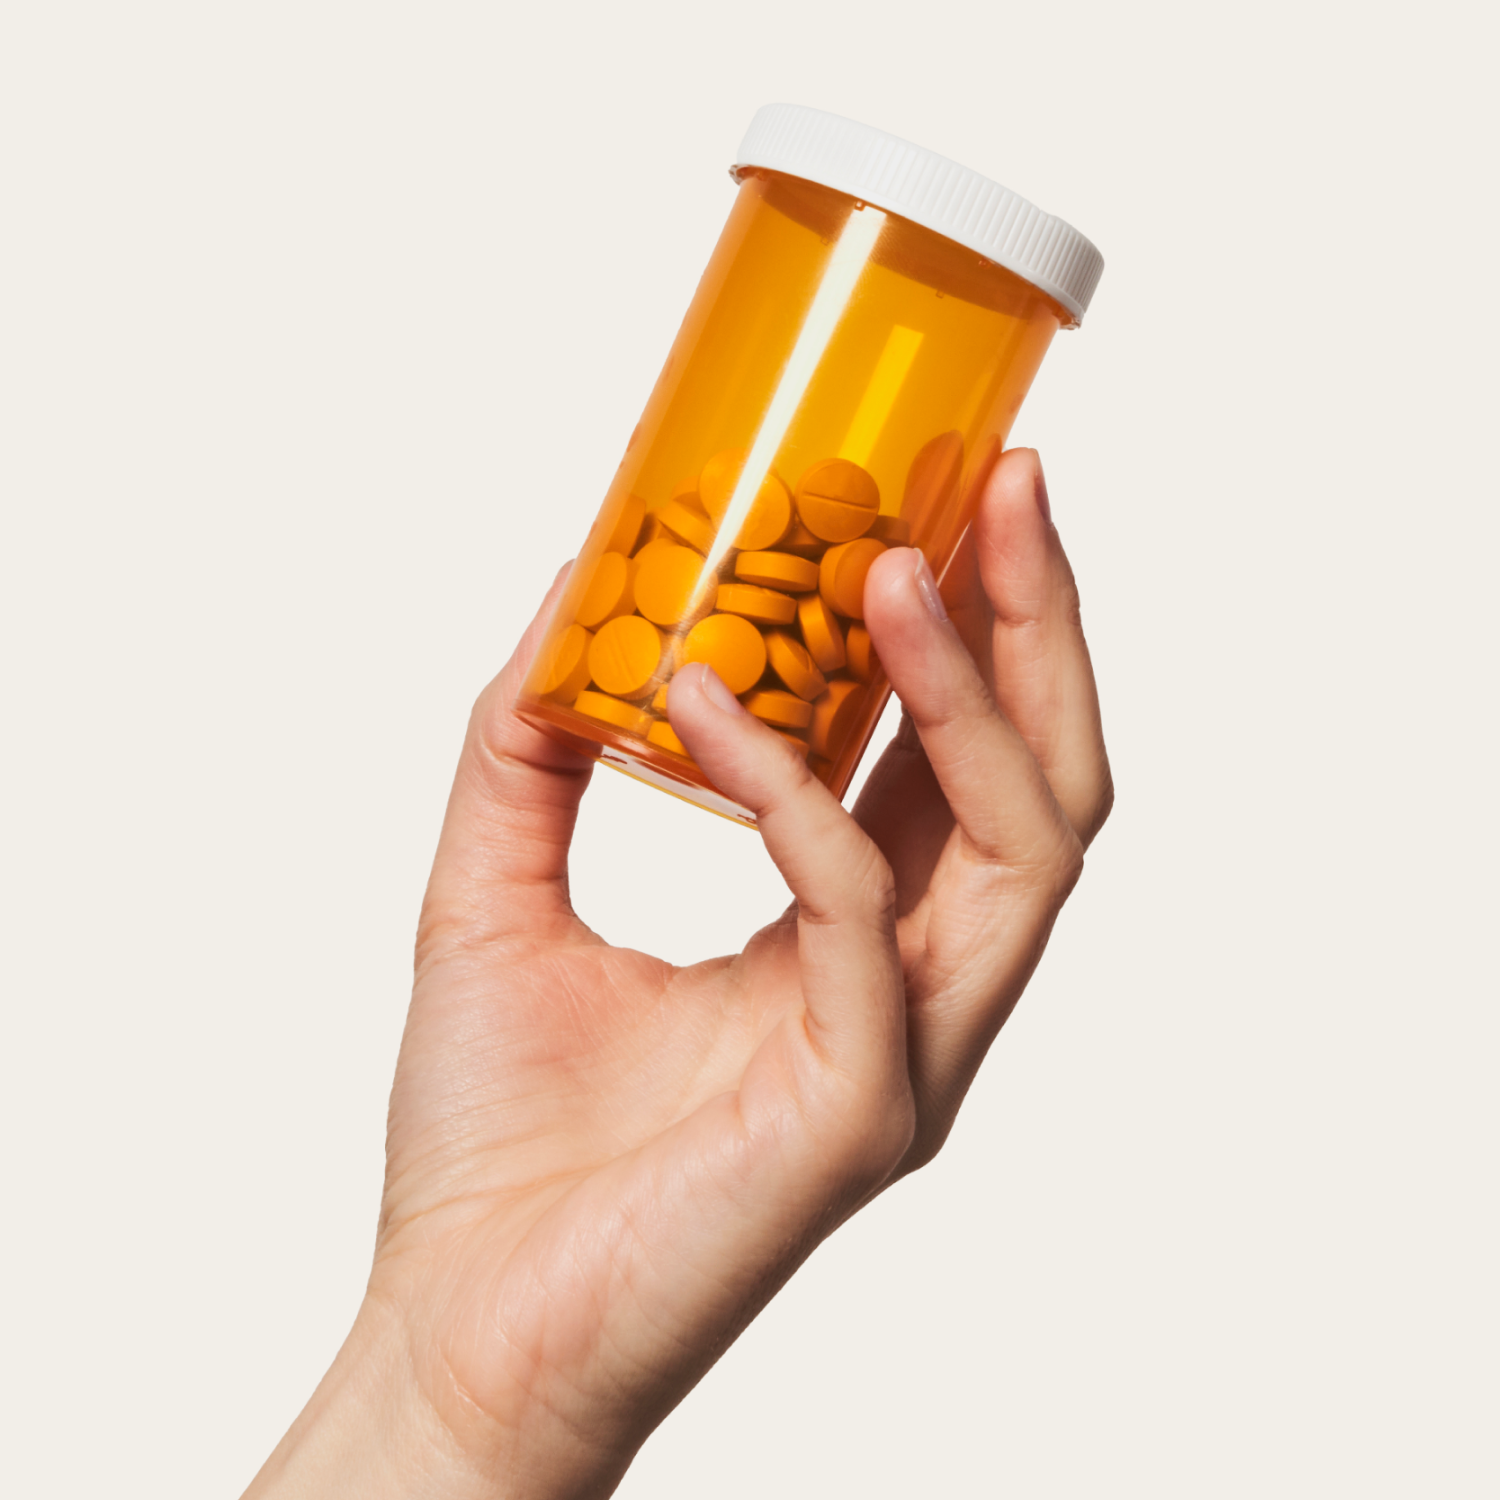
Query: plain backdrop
point(322, 328)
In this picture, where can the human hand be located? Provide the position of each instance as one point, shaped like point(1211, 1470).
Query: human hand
point(600, 1166)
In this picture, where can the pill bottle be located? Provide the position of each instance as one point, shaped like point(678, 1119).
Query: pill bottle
point(845, 377)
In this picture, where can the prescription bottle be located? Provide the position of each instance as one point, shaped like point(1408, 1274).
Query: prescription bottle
point(845, 377)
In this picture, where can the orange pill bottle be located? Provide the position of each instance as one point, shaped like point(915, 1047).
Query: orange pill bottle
point(843, 382)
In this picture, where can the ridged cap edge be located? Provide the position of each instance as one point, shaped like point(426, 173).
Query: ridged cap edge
point(930, 190)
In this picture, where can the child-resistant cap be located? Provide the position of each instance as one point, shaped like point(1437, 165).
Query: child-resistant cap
point(928, 189)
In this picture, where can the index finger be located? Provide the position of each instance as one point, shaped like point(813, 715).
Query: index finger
point(501, 866)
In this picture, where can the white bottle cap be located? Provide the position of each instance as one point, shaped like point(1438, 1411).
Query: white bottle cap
point(929, 190)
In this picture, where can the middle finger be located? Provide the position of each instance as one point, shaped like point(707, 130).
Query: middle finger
point(997, 793)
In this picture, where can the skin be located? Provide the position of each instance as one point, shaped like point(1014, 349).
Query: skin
point(600, 1166)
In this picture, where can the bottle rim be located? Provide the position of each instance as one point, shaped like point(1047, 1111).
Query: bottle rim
point(930, 190)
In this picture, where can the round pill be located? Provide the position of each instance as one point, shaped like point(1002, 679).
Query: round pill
point(659, 700)
point(784, 710)
point(841, 575)
point(684, 520)
point(863, 661)
point(791, 662)
point(820, 631)
point(770, 512)
point(611, 591)
point(770, 517)
point(717, 479)
point(892, 530)
point(668, 582)
point(567, 671)
point(627, 525)
point(731, 645)
point(625, 655)
point(837, 500)
point(777, 570)
point(833, 716)
point(765, 606)
point(655, 545)
point(802, 542)
point(612, 711)
point(933, 477)
point(661, 733)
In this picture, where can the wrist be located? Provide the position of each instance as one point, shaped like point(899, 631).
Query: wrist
point(376, 1428)
point(370, 1429)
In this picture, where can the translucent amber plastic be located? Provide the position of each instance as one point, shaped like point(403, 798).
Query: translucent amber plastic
point(843, 382)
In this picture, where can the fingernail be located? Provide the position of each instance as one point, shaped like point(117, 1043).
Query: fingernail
point(716, 690)
point(1043, 504)
point(928, 589)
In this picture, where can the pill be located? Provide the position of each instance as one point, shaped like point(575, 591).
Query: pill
point(792, 663)
point(777, 570)
point(770, 512)
point(567, 671)
point(612, 711)
point(841, 575)
point(731, 645)
point(770, 517)
point(932, 480)
point(659, 700)
point(611, 591)
point(764, 606)
point(627, 526)
point(669, 582)
point(820, 631)
point(834, 715)
point(799, 745)
point(837, 500)
point(894, 531)
point(683, 520)
point(784, 710)
point(657, 544)
point(651, 531)
point(717, 479)
point(863, 661)
point(802, 542)
point(625, 656)
point(662, 733)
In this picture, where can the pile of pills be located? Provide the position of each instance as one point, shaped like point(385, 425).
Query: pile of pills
point(780, 621)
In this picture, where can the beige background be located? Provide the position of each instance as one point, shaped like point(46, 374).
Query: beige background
point(322, 327)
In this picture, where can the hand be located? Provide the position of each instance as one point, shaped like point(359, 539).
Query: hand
point(600, 1167)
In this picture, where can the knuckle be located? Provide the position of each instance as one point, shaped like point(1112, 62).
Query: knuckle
point(882, 1139)
point(1072, 607)
point(1103, 806)
point(902, 1131)
point(1067, 866)
point(863, 889)
point(487, 737)
point(923, 1150)
point(1069, 601)
point(876, 885)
